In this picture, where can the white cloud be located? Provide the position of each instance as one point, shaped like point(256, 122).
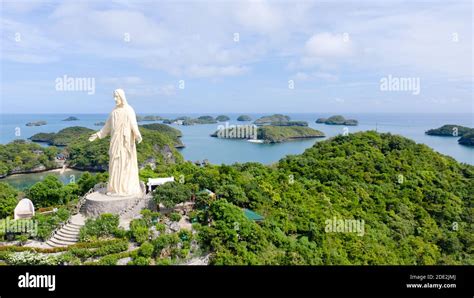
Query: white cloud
point(329, 45)
point(259, 16)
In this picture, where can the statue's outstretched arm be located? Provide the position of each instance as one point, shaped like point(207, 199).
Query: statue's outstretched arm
point(105, 131)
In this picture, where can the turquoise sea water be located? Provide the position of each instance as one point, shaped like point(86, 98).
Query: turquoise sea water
point(200, 146)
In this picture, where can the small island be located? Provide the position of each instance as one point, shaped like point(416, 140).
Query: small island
point(71, 118)
point(172, 132)
point(36, 123)
point(467, 139)
point(338, 120)
point(222, 118)
point(187, 121)
point(289, 123)
point(271, 134)
point(62, 137)
point(244, 118)
point(276, 118)
point(449, 130)
point(149, 118)
point(101, 123)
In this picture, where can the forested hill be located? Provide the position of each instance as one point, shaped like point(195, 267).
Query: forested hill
point(416, 205)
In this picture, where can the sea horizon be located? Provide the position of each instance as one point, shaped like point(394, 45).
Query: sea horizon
point(200, 146)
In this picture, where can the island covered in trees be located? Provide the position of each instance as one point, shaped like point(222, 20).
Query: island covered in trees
point(71, 118)
point(185, 120)
point(244, 118)
point(270, 133)
point(449, 130)
point(466, 134)
point(337, 120)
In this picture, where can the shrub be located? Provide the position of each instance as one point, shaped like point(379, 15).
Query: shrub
point(113, 247)
point(120, 233)
point(109, 260)
point(160, 227)
point(185, 235)
point(48, 222)
point(146, 249)
point(141, 234)
point(31, 258)
point(163, 262)
point(105, 225)
point(141, 261)
point(164, 241)
point(174, 216)
point(172, 193)
point(149, 216)
point(139, 230)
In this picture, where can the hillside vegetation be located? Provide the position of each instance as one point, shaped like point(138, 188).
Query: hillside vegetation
point(416, 205)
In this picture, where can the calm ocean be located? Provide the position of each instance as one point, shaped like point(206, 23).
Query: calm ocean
point(200, 146)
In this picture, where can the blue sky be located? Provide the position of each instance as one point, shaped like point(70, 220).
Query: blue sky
point(334, 52)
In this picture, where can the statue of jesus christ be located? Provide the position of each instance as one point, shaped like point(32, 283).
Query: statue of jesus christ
point(123, 130)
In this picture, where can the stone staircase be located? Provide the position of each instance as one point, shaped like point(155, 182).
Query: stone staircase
point(69, 233)
point(137, 206)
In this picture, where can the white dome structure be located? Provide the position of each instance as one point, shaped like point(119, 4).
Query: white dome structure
point(24, 209)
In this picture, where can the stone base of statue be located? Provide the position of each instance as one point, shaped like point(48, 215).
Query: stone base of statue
point(98, 202)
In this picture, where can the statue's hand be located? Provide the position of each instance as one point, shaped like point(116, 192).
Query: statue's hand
point(139, 139)
point(93, 137)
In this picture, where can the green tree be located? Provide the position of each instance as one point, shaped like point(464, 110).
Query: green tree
point(8, 199)
point(172, 193)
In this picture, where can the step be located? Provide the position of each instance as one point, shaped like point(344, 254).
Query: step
point(66, 238)
point(75, 224)
point(52, 244)
point(71, 228)
point(58, 242)
point(64, 232)
point(67, 234)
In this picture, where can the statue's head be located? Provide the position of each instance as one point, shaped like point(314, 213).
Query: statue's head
point(119, 97)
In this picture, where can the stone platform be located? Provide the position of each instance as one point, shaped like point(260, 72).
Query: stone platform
point(98, 202)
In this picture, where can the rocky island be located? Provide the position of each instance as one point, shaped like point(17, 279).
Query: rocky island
point(271, 134)
point(244, 118)
point(222, 118)
point(191, 121)
point(338, 120)
point(149, 118)
point(449, 130)
point(36, 123)
point(71, 118)
point(62, 137)
point(467, 139)
point(276, 118)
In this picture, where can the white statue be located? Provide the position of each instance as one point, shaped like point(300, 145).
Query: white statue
point(123, 129)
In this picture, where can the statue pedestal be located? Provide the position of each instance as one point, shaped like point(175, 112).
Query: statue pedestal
point(98, 202)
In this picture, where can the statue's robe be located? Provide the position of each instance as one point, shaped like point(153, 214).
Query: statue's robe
point(123, 167)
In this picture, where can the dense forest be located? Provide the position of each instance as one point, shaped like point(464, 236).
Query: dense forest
point(415, 204)
point(21, 156)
